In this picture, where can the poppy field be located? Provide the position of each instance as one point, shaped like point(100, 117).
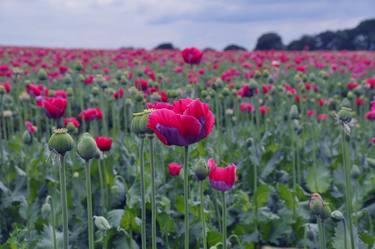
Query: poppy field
point(170, 149)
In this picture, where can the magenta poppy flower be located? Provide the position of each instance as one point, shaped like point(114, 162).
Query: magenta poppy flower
point(246, 107)
point(71, 120)
point(221, 179)
point(91, 114)
point(192, 56)
point(30, 127)
point(188, 122)
point(159, 105)
point(174, 169)
point(55, 107)
point(104, 143)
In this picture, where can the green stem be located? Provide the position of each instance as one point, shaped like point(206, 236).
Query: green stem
point(90, 224)
point(153, 202)
point(345, 235)
point(186, 196)
point(348, 195)
point(224, 217)
point(321, 234)
point(102, 187)
point(64, 202)
point(53, 223)
point(143, 227)
point(204, 239)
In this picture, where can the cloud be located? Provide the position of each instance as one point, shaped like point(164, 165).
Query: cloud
point(146, 23)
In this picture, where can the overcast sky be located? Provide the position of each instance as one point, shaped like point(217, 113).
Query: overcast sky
point(146, 23)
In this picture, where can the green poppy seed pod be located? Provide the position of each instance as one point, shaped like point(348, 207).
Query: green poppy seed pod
point(69, 91)
point(350, 95)
point(95, 91)
point(293, 114)
point(128, 102)
point(155, 97)
point(78, 66)
point(316, 204)
point(257, 74)
point(201, 170)
point(118, 75)
point(345, 114)
point(42, 74)
point(226, 91)
point(67, 80)
point(27, 138)
point(80, 78)
point(337, 216)
point(24, 97)
point(139, 123)
point(2, 91)
point(76, 174)
point(345, 103)
point(86, 147)
point(266, 73)
point(139, 97)
point(60, 141)
point(204, 93)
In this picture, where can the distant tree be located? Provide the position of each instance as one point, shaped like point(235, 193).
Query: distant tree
point(305, 43)
point(269, 41)
point(166, 45)
point(361, 37)
point(234, 47)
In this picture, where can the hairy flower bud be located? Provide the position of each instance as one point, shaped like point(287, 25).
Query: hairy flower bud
point(139, 123)
point(201, 170)
point(86, 147)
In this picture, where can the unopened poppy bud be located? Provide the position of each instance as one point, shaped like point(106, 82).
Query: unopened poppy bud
point(101, 223)
point(86, 147)
point(226, 92)
point(67, 80)
point(71, 128)
point(76, 174)
point(42, 74)
point(95, 91)
point(316, 204)
point(201, 170)
point(293, 114)
point(345, 103)
point(355, 172)
point(27, 138)
point(78, 66)
point(46, 207)
point(60, 141)
point(337, 216)
point(326, 212)
point(140, 121)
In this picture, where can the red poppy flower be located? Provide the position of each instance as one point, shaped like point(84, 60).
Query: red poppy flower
point(322, 116)
point(60, 93)
point(71, 120)
point(310, 113)
point(352, 85)
point(55, 107)
point(264, 109)
point(246, 107)
point(7, 86)
point(192, 56)
point(247, 91)
point(174, 169)
point(104, 143)
point(30, 127)
point(188, 122)
point(221, 179)
point(370, 115)
point(159, 105)
point(91, 114)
